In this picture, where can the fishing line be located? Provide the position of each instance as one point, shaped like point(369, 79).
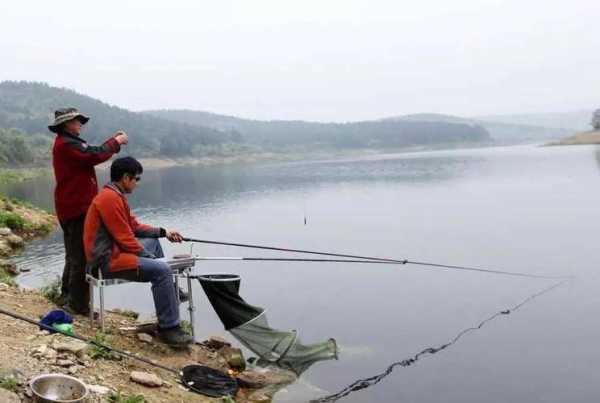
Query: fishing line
point(379, 259)
point(373, 380)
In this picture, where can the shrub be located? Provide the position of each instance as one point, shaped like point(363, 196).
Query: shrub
point(51, 291)
point(186, 327)
point(98, 352)
point(119, 398)
point(9, 383)
point(7, 278)
point(11, 220)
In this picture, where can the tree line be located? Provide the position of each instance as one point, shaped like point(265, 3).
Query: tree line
point(25, 109)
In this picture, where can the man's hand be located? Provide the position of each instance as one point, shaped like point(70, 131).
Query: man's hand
point(174, 236)
point(121, 137)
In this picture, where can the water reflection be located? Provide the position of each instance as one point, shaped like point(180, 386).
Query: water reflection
point(497, 207)
point(199, 185)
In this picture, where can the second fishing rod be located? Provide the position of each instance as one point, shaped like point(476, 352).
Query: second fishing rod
point(350, 258)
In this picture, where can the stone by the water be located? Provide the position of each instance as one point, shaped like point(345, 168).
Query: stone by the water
point(146, 379)
point(233, 357)
point(72, 346)
point(145, 337)
point(216, 343)
point(99, 389)
point(15, 241)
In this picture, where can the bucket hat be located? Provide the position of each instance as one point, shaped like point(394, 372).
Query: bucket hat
point(64, 115)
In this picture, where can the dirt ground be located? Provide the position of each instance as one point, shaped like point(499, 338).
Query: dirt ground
point(29, 351)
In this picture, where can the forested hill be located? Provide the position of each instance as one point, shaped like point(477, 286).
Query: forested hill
point(27, 106)
point(375, 133)
point(502, 132)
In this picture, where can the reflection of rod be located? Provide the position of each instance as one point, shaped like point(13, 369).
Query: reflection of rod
point(369, 259)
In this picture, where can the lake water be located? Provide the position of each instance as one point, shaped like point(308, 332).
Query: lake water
point(522, 208)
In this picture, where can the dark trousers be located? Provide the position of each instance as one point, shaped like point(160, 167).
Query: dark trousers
point(159, 274)
point(74, 287)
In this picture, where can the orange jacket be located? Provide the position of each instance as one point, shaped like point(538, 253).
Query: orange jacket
point(110, 231)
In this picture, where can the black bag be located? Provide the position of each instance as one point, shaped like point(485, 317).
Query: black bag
point(208, 381)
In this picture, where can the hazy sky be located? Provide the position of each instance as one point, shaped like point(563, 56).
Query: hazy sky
point(319, 60)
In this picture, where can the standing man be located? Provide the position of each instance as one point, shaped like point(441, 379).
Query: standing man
point(73, 160)
point(112, 247)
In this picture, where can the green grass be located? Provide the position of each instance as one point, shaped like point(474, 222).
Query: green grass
point(119, 398)
point(12, 220)
point(39, 229)
point(101, 353)
point(186, 326)
point(9, 383)
point(7, 278)
point(51, 291)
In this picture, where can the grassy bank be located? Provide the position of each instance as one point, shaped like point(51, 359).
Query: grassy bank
point(19, 222)
point(11, 175)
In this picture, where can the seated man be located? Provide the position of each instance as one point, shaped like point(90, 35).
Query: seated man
point(111, 246)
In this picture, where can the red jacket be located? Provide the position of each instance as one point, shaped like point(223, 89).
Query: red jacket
point(73, 160)
point(110, 231)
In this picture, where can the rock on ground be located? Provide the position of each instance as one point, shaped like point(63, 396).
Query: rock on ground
point(9, 266)
point(146, 379)
point(5, 248)
point(15, 241)
point(234, 357)
point(71, 346)
point(145, 337)
point(99, 389)
point(216, 343)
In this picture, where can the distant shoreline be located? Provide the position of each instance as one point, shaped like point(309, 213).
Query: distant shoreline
point(266, 157)
point(19, 174)
point(584, 138)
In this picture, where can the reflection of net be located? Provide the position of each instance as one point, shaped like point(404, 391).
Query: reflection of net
point(250, 326)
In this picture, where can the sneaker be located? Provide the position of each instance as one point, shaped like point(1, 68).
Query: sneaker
point(175, 337)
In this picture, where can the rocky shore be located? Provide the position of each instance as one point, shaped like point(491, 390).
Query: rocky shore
point(109, 376)
point(19, 222)
point(27, 351)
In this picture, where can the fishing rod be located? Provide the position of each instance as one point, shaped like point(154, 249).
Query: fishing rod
point(283, 259)
point(89, 341)
point(371, 259)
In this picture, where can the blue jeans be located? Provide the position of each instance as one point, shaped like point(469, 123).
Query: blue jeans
point(158, 272)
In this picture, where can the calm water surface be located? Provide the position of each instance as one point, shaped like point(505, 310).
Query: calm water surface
point(521, 208)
